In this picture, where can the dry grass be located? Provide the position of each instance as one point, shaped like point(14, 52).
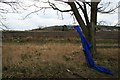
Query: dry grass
point(53, 60)
point(50, 52)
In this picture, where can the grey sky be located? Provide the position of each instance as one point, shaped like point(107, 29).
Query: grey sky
point(50, 17)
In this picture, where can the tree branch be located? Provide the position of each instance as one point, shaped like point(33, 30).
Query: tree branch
point(12, 4)
point(32, 13)
point(2, 24)
point(78, 17)
point(86, 15)
point(55, 8)
point(84, 10)
point(108, 11)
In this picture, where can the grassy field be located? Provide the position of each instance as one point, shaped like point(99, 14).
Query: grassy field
point(51, 59)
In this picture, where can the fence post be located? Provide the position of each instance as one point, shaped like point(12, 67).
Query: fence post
point(0, 55)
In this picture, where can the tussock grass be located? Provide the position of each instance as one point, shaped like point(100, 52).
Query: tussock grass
point(54, 60)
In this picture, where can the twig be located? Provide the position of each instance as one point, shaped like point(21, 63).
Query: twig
point(75, 74)
point(32, 13)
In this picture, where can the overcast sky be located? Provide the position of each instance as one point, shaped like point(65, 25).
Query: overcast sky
point(50, 17)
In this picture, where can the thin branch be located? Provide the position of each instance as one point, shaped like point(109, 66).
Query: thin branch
point(7, 2)
point(2, 28)
point(109, 11)
point(3, 24)
point(22, 7)
point(3, 11)
point(32, 13)
point(88, 3)
point(55, 8)
point(2, 17)
point(84, 10)
point(86, 15)
point(106, 6)
point(80, 6)
point(14, 5)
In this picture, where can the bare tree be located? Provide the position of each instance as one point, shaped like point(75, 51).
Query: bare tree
point(87, 20)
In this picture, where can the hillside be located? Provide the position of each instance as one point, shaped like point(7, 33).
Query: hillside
point(71, 28)
point(56, 28)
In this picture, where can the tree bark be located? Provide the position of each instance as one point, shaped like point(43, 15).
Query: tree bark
point(92, 27)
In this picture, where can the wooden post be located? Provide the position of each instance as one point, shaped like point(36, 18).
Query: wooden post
point(0, 54)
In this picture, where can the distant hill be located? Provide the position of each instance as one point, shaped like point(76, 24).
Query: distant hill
point(70, 28)
point(56, 28)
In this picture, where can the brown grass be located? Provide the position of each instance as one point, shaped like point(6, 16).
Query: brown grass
point(47, 52)
point(53, 60)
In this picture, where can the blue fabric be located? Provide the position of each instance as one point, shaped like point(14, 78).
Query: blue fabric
point(86, 48)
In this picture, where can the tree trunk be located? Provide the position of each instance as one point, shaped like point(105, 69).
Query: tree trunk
point(89, 30)
point(91, 38)
point(93, 24)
